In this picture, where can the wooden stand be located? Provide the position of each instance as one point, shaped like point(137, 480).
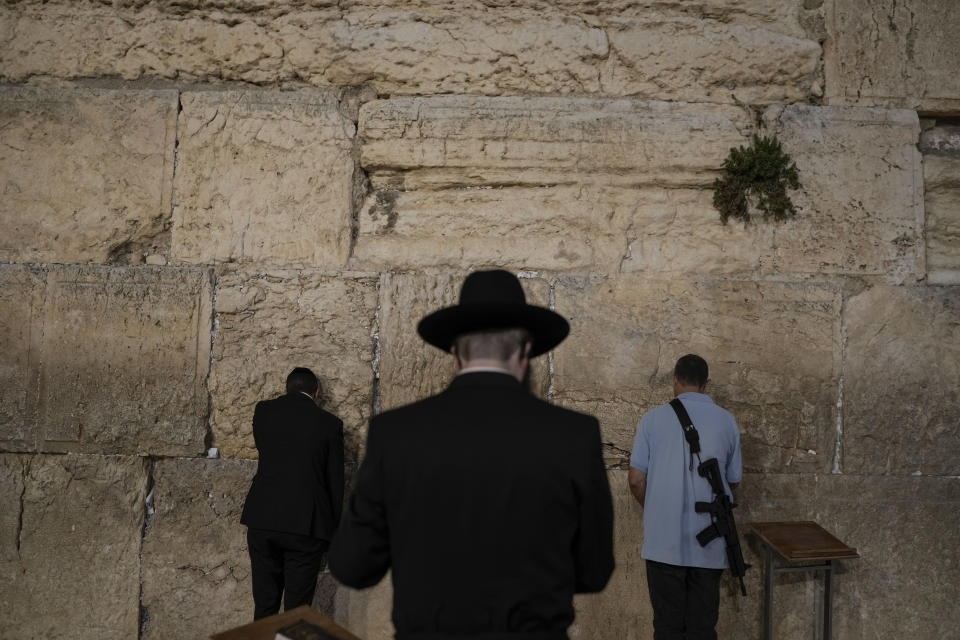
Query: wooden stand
point(266, 629)
point(797, 542)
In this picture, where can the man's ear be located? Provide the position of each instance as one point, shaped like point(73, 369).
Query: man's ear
point(456, 357)
point(705, 384)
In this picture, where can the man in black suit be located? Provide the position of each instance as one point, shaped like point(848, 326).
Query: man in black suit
point(492, 507)
point(296, 497)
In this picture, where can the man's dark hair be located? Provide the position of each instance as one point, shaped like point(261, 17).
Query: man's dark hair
point(692, 370)
point(302, 379)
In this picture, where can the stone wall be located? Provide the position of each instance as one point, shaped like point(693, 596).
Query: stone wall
point(199, 196)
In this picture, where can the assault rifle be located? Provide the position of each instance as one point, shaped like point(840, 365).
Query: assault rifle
point(721, 509)
point(721, 512)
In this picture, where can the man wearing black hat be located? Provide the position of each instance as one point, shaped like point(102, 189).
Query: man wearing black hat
point(296, 497)
point(491, 507)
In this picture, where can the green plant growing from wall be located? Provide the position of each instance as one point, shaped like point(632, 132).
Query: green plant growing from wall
point(756, 176)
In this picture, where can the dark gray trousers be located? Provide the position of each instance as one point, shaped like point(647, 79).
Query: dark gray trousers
point(686, 601)
point(284, 564)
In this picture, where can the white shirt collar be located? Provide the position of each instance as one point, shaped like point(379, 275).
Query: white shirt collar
point(306, 394)
point(483, 370)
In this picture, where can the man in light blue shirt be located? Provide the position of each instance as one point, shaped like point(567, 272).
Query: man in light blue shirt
point(683, 578)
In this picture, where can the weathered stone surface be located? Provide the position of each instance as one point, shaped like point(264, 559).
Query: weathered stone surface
point(124, 360)
point(755, 51)
point(547, 138)
point(626, 335)
point(366, 613)
point(544, 183)
point(574, 184)
point(901, 398)
point(622, 609)
point(86, 174)
point(71, 567)
point(267, 324)
point(899, 53)
point(903, 585)
point(263, 177)
point(860, 208)
point(21, 319)
point(677, 232)
point(196, 585)
point(940, 145)
point(409, 368)
point(680, 56)
point(11, 493)
point(882, 594)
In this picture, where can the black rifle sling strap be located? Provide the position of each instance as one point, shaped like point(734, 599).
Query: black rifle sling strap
point(689, 431)
point(722, 524)
point(693, 439)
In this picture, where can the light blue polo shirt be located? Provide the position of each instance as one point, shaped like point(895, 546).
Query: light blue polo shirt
point(670, 525)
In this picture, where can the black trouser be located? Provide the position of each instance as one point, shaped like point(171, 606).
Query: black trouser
point(686, 601)
point(283, 563)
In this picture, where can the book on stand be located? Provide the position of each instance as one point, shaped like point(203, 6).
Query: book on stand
point(303, 630)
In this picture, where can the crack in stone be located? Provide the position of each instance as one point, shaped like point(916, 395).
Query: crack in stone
point(551, 372)
point(23, 492)
point(214, 323)
point(375, 363)
point(143, 618)
point(651, 381)
point(838, 444)
point(627, 254)
point(361, 190)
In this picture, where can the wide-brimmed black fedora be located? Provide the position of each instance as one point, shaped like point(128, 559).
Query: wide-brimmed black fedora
point(492, 300)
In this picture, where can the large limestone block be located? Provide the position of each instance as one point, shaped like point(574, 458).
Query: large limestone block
point(901, 586)
point(86, 174)
point(124, 360)
point(899, 53)
point(196, 585)
point(409, 368)
point(941, 188)
point(901, 381)
point(772, 347)
point(765, 498)
point(366, 612)
point(704, 51)
point(696, 57)
point(532, 141)
point(267, 324)
point(12, 489)
point(72, 569)
point(22, 291)
point(860, 208)
point(677, 232)
point(904, 529)
point(547, 183)
point(622, 609)
point(263, 177)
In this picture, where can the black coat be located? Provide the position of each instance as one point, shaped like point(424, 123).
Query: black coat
point(298, 487)
point(490, 506)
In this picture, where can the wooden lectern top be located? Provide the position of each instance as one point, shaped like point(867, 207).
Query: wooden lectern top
point(802, 541)
point(266, 628)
